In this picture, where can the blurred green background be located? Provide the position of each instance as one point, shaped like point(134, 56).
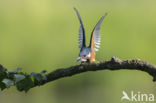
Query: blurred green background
point(43, 34)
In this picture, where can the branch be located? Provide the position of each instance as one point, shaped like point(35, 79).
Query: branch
point(113, 64)
point(24, 81)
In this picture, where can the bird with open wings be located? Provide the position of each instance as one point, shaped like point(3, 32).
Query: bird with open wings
point(87, 53)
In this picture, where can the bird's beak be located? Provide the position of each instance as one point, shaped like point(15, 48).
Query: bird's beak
point(78, 59)
point(81, 59)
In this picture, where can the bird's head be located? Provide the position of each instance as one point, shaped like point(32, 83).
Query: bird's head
point(84, 55)
point(83, 58)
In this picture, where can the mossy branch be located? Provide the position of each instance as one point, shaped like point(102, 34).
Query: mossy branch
point(37, 79)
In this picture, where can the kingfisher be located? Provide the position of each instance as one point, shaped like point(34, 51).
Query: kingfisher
point(87, 53)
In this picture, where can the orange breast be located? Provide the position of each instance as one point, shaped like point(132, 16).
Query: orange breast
point(92, 58)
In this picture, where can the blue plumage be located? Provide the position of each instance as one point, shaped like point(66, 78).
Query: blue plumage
point(88, 53)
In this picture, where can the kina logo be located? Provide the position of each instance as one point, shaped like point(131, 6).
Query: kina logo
point(138, 96)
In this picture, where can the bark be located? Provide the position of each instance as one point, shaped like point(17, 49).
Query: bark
point(113, 64)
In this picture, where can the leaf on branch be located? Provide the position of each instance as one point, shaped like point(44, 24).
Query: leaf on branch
point(2, 76)
point(2, 69)
point(8, 83)
point(38, 77)
point(25, 84)
point(18, 77)
point(2, 86)
point(15, 70)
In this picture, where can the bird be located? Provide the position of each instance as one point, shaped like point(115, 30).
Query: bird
point(87, 53)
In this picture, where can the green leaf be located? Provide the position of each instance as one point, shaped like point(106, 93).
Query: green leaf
point(15, 70)
point(25, 84)
point(2, 69)
point(2, 86)
point(12, 71)
point(23, 81)
point(18, 77)
point(2, 75)
point(38, 77)
point(8, 82)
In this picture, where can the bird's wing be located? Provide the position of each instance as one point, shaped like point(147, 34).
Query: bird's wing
point(95, 36)
point(81, 31)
